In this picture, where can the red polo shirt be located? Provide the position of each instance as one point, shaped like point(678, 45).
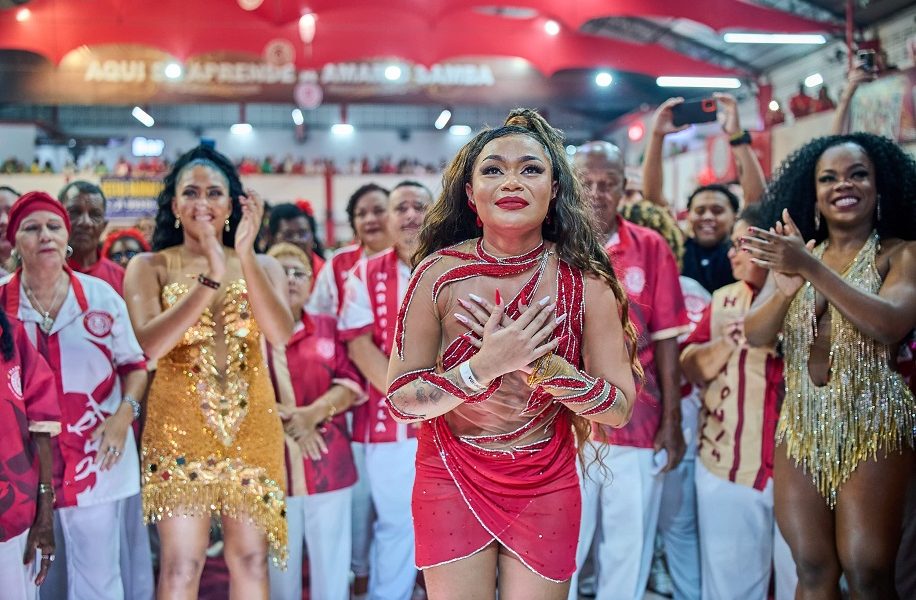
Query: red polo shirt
point(105, 269)
point(647, 269)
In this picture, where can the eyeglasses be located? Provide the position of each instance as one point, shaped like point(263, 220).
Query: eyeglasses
point(298, 274)
point(125, 255)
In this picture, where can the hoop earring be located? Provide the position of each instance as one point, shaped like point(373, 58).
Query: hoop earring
point(227, 224)
point(817, 219)
point(177, 222)
point(69, 251)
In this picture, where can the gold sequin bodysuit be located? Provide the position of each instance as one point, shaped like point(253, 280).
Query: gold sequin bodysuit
point(864, 407)
point(213, 442)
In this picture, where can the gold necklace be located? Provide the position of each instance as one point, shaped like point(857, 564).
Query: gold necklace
point(47, 321)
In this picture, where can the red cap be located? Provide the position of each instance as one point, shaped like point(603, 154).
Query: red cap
point(29, 203)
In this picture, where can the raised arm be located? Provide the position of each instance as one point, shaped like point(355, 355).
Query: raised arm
point(857, 76)
point(264, 277)
point(652, 174)
point(750, 173)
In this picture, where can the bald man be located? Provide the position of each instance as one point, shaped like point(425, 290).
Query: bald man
point(621, 503)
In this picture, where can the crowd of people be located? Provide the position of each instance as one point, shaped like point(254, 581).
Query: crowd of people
point(529, 384)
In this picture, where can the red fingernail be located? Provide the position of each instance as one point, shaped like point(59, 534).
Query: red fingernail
point(498, 299)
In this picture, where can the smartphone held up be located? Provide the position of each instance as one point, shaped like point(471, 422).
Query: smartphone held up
point(694, 111)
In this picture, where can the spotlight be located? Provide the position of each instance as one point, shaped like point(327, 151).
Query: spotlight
point(342, 129)
point(241, 129)
point(551, 27)
point(173, 70)
point(603, 79)
point(298, 117)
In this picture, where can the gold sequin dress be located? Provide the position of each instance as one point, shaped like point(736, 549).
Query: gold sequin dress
point(864, 407)
point(213, 442)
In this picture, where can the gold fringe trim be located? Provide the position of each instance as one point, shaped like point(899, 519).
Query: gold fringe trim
point(215, 499)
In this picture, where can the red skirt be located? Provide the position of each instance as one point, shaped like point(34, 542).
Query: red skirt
point(464, 498)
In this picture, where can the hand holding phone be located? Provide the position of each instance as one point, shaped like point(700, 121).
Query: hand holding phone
point(694, 111)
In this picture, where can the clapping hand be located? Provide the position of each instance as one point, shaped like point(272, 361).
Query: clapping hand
point(250, 225)
point(781, 250)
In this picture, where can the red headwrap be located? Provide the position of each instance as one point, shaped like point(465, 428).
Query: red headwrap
point(132, 233)
point(305, 206)
point(29, 203)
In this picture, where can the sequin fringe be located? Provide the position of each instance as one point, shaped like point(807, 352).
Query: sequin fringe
point(865, 407)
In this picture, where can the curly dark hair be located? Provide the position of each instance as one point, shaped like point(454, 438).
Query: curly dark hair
point(286, 211)
point(571, 225)
point(793, 186)
point(166, 235)
point(355, 198)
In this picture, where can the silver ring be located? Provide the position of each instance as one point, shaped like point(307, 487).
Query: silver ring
point(48, 557)
point(117, 453)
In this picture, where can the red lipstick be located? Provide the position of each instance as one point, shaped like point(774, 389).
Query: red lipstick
point(512, 203)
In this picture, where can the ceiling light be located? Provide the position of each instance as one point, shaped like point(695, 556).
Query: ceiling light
point(392, 72)
point(298, 118)
point(774, 105)
point(250, 4)
point(23, 15)
point(342, 129)
point(173, 70)
point(443, 118)
point(307, 25)
point(603, 79)
point(699, 82)
point(636, 131)
point(459, 130)
point(241, 129)
point(774, 38)
point(570, 149)
point(143, 116)
point(814, 80)
point(551, 27)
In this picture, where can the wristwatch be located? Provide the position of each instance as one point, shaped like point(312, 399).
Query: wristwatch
point(742, 138)
point(134, 405)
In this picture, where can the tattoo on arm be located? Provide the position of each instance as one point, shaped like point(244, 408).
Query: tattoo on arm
point(431, 396)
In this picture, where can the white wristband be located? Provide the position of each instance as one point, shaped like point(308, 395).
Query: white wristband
point(467, 376)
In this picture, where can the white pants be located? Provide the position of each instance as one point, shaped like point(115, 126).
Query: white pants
point(323, 522)
point(92, 535)
point(17, 581)
point(620, 503)
point(677, 524)
point(784, 565)
point(363, 514)
point(136, 555)
point(737, 530)
point(389, 471)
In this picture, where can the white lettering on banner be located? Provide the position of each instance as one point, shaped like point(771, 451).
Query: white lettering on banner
point(135, 71)
point(451, 74)
point(116, 71)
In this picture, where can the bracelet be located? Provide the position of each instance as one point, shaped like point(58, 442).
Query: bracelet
point(46, 489)
point(742, 138)
point(468, 378)
point(210, 283)
point(134, 405)
point(332, 410)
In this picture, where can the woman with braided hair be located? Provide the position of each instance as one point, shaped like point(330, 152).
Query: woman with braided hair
point(504, 349)
point(843, 302)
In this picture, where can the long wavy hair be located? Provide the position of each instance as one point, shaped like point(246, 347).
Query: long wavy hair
point(166, 234)
point(793, 186)
point(570, 225)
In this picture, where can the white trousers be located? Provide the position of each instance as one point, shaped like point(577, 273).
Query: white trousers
point(677, 524)
point(784, 565)
point(620, 504)
point(322, 521)
point(737, 530)
point(389, 471)
point(17, 581)
point(136, 554)
point(363, 514)
point(92, 535)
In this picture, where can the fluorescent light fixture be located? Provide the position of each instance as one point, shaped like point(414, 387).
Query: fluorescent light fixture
point(298, 117)
point(342, 129)
point(173, 70)
point(603, 79)
point(774, 38)
point(143, 116)
point(699, 82)
point(774, 105)
point(23, 15)
point(443, 118)
point(392, 72)
point(551, 27)
point(241, 129)
point(460, 130)
point(814, 80)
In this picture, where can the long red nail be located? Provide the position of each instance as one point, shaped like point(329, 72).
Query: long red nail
point(497, 297)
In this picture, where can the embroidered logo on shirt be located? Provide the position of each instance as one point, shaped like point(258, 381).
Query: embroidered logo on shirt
point(98, 323)
point(324, 347)
point(14, 379)
point(634, 279)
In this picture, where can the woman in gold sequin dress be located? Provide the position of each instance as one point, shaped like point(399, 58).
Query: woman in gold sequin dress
point(843, 302)
point(213, 442)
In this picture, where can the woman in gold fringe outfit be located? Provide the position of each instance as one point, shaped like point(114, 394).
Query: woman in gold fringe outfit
point(213, 442)
point(843, 301)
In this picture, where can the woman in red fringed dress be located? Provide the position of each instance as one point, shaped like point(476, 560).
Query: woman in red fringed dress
point(512, 335)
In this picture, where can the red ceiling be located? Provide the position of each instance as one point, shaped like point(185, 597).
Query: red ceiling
point(419, 31)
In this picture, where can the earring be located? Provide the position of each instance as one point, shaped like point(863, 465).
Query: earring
point(227, 224)
point(14, 254)
point(817, 219)
point(479, 223)
point(69, 251)
point(177, 222)
point(878, 210)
